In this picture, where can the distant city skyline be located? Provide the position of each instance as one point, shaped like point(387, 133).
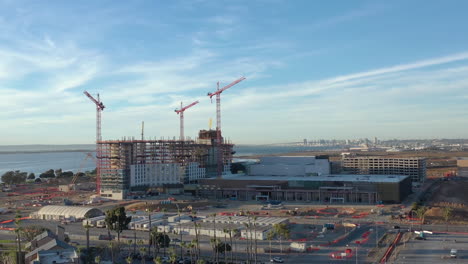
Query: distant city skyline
point(315, 70)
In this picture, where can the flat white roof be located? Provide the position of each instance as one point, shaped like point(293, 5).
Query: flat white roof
point(332, 177)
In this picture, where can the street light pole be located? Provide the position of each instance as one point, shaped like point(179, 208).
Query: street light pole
point(149, 229)
point(356, 254)
point(180, 231)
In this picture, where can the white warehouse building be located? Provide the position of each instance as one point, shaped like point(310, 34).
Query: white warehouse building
point(291, 166)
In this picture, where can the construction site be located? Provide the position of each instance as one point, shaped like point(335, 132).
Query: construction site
point(127, 163)
point(130, 163)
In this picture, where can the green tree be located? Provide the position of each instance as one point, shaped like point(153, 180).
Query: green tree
point(30, 232)
point(97, 259)
point(14, 177)
point(160, 240)
point(421, 213)
point(66, 174)
point(282, 232)
point(222, 247)
point(129, 260)
point(448, 211)
point(47, 174)
point(58, 173)
point(31, 176)
point(117, 220)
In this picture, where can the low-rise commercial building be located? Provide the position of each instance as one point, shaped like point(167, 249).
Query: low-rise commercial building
point(368, 189)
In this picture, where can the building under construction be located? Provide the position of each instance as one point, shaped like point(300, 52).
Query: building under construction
point(131, 163)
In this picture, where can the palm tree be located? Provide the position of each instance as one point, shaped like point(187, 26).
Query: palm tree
point(111, 247)
point(155, 236)
point(134, 236)
point(225, 230)
point(421, 212)
point(282, 231)
point(183, 245)
point(18, 236)
point(143, 254)
point(270, 236)
point(230, 237)
point(87, 227)
point(164, 210)
point(215, 255)
point(129, 244)
point(194, 216)
point(141, 247)
point(447, 214)
point(236, 231)
point(255, 236)
point(173, 255)
point(191, 246)
point(157, 260)
point(247, 228)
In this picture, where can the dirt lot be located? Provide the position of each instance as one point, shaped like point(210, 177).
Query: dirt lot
point(452, 194)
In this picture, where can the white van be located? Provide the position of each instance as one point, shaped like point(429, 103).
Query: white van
point(453, 253)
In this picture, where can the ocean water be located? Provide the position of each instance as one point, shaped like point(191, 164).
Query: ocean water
point(40, 158)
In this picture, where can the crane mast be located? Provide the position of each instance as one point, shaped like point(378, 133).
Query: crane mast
point(99, 107)
point(218, 122)
point(180, 112)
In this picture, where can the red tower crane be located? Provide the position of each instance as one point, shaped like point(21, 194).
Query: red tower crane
point(180, 112)
point(218, 121)
point(99, 107)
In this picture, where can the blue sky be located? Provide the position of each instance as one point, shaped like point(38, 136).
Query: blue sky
point(314, 69)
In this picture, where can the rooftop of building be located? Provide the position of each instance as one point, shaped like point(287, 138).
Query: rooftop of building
point(383, 157)
point(332, 177)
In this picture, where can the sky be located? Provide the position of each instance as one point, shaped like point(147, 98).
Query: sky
point(313, 69)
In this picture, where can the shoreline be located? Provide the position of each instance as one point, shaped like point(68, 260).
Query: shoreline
point(44, 151)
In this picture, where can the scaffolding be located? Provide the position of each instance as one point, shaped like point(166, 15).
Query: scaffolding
point(118, 155)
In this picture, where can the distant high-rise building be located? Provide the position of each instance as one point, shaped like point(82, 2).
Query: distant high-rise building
point(305, 142)
point(376, 141)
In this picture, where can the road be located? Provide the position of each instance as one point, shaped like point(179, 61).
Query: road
point(435, 249)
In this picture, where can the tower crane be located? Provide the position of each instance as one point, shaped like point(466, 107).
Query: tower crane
point(218, 120)
point(99, 107)
point(180, 112)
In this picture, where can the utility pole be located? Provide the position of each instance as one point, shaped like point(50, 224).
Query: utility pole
point(149, 229)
